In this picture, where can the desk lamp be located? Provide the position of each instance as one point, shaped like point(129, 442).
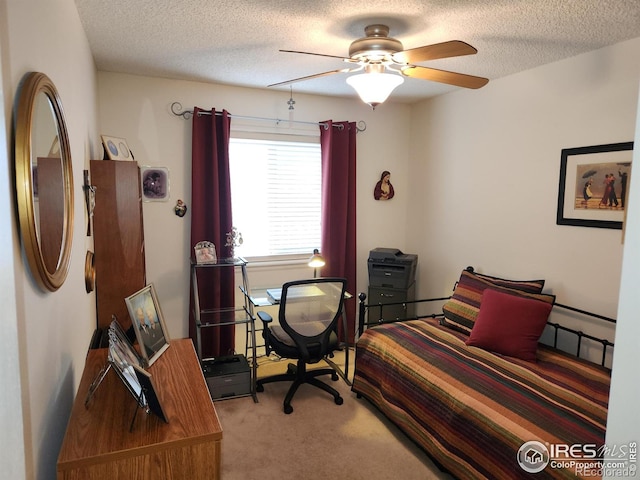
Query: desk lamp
point(316, 261)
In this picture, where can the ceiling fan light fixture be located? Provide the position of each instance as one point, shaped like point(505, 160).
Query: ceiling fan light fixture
point(374, 88)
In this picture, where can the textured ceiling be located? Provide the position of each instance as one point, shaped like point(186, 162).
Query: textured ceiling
point(236, 42)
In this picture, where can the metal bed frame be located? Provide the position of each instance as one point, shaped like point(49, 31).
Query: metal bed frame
point(363, 308)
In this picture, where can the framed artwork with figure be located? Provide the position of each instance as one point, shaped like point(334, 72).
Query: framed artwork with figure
point(148, 323)
point(594, 183)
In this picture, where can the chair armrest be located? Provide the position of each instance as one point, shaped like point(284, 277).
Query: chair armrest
point(265, 317)
point(266, 320)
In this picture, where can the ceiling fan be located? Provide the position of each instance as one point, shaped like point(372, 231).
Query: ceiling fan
point(377, 54)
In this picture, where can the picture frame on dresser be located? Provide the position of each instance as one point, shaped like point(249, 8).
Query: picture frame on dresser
point(126, 363)
point(151, 402)
point(593, 185)
point(148, 323)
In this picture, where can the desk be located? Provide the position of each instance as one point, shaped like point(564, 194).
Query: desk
point(99, 445)
point(265, 297)
point(262, 297)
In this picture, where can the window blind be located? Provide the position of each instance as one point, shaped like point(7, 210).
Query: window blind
point(276, 196)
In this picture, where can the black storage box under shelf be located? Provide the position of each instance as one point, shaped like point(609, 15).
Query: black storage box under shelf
point(227, 376)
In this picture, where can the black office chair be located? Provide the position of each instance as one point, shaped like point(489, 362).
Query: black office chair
point(308, 314)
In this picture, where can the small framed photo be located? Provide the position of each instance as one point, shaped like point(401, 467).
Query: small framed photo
point(116, 148)
point(594, 185)
point(155, 183)
point(205, 252)
point(149, 392)
point(148, 324)
point(118, 338)
point(126, 362)
point(124, 365)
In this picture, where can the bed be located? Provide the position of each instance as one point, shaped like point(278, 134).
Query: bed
point(476, 412)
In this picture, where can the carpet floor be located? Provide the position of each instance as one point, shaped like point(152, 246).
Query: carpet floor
point(318, 440)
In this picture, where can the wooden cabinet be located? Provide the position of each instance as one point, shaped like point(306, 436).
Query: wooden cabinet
point(118, 238)
point(99, 445)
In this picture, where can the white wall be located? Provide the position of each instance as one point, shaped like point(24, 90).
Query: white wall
point(138, 109)
point(53, 329)
point(484, 184)
point(12, 456)
point(623, 422)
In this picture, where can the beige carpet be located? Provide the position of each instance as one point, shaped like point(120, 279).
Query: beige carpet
point(318, 440)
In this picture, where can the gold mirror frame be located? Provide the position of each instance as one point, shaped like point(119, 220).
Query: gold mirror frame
point(49, 271)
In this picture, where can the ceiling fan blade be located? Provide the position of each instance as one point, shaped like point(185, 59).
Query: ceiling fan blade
point(318, 55)
point(453, 48)
point(442, 76)
point(309, 77)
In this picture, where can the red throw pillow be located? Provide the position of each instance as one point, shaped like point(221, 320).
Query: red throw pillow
point(509, 324)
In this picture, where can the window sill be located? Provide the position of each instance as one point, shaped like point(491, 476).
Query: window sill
point(277, 261)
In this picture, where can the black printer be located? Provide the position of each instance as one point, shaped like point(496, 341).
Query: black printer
point(392, 277)
point(390, 268)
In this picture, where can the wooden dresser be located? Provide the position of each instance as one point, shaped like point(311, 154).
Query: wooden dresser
point(99, 445)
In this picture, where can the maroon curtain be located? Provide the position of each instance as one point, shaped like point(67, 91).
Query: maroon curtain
point(338, 147)
point(210, 221)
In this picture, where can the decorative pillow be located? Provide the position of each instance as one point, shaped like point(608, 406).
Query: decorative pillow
point(509, 324)
point(462, 309)
point(530, 286)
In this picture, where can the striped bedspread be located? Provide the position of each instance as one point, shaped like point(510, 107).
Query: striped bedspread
point(472, 410)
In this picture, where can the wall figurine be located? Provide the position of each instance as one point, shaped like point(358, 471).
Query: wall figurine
point(384, 189)
point(180, 209)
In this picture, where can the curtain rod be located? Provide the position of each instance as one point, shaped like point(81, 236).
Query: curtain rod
point(176, 109)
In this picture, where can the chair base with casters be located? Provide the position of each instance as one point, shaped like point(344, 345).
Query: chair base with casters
point(307, 333)
point(298, 374)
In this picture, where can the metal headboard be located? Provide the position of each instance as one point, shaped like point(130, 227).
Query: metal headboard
point(376, 311)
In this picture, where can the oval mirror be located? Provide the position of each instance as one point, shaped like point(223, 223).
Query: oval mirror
point(44, 181)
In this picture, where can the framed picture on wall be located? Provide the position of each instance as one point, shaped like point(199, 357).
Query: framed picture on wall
point(593, 187)
point(155, 183)
point(148, 324)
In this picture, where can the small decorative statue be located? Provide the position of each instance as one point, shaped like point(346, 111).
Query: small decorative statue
point(180, 209)
point(234, 239)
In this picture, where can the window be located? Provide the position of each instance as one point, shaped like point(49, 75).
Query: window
point(275, 196)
